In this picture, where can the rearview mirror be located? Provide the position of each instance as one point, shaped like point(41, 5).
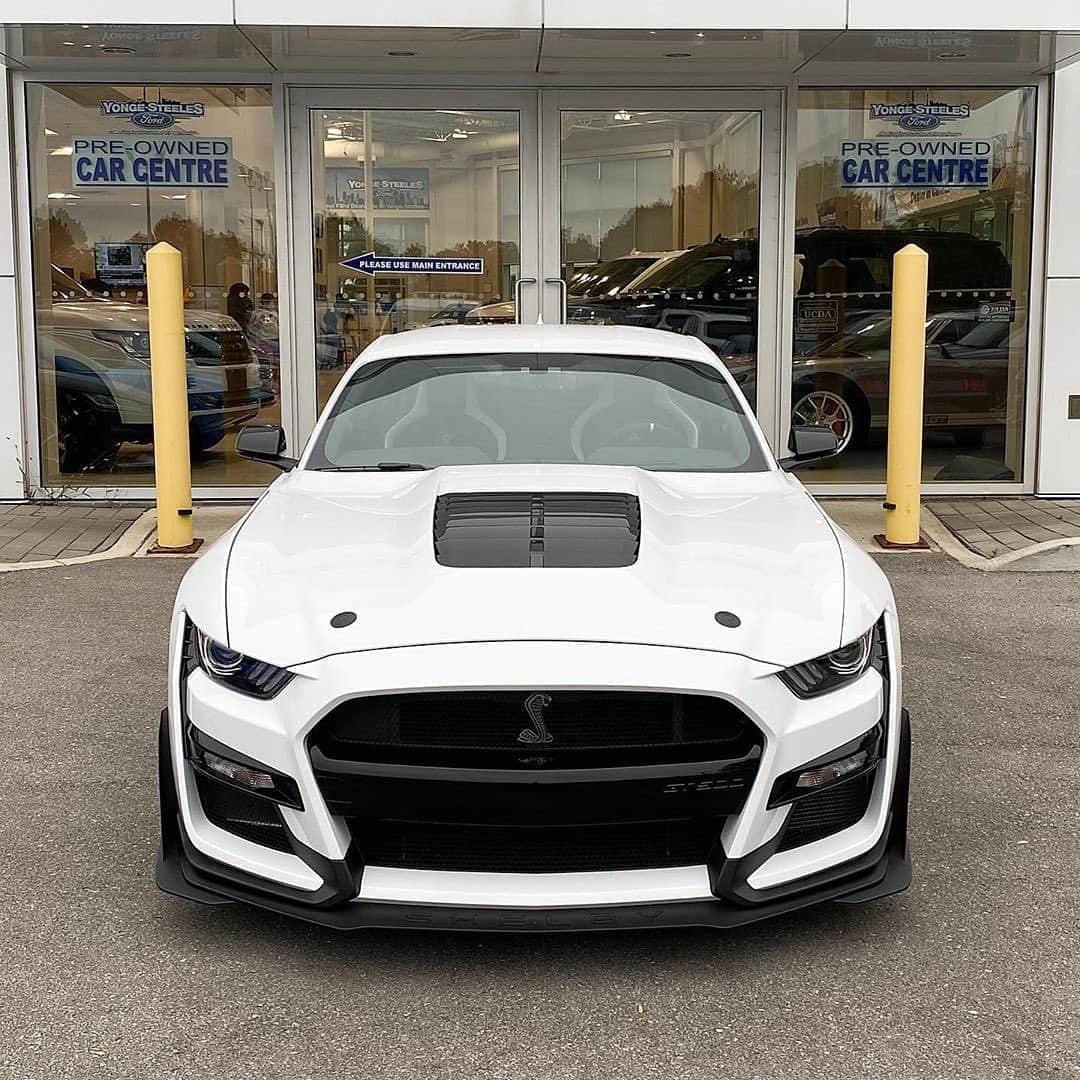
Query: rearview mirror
point(810, 444)
point(265, 443)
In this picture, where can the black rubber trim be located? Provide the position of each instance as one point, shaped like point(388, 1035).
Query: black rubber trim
point(622, 773)
point(883, 872)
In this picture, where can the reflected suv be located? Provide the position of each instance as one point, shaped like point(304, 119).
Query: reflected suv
point(100, 352)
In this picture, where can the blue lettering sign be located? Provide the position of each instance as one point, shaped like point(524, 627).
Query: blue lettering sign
point(371, 264)
point(151, 161)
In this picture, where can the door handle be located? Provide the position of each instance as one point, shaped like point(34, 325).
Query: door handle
point(561, 282)
point(521, 281)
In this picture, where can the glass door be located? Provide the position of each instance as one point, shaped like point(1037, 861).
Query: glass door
point(661, 209)
point(407, 215)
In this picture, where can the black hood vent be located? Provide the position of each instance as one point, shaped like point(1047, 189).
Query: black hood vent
point(545, 528)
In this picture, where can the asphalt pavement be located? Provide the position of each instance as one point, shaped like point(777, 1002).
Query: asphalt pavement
point(974, 972)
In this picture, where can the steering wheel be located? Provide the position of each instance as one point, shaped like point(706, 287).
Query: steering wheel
point(647, 433)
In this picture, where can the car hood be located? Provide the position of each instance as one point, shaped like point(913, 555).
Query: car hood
point(319, 543)
point(115, 315)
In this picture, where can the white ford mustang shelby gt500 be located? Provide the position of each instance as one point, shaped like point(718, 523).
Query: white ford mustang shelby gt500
point(535, 634)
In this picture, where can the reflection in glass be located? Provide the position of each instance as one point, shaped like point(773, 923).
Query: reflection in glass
point(660, 216)
point(89, 249)
point(444, 184)
point(976, 229)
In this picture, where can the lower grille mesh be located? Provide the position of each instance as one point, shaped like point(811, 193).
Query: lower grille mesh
point(494, 849)
point(827, 812)
point(243, 815)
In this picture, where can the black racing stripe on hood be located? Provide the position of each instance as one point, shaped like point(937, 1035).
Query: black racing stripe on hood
point(535, 529)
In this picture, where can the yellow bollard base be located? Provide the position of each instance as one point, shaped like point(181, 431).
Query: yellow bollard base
point(187, 549)
point(882, 542)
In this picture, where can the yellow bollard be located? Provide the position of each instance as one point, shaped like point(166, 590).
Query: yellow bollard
point(903, 485)
point(168, 377)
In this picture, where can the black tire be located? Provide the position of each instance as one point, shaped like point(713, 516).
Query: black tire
point(84, 441)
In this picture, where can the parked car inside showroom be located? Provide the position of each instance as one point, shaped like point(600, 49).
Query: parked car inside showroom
point(534, 634)
point(840, 366)
point(99, 350)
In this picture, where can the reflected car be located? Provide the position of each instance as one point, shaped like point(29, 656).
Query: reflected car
point(845, 384)
point(498, 312)
point(606, 279)
point(100, 352)
point(536, 634)
point(454, 312)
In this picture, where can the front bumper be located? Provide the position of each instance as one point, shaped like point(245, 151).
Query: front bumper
point(752, 880)
point(184, 871)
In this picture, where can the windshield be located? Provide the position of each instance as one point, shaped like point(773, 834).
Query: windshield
point(548, 408)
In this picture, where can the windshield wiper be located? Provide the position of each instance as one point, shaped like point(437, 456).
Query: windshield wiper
point(380, 466)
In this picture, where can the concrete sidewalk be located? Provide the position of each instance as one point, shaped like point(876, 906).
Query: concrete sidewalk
point(38, 532)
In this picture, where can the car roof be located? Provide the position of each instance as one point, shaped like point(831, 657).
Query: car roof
point(613, 340)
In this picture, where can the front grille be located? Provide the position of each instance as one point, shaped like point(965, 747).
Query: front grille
point(542, 781)
point(826, 812)
point(244, 815)
point(225, 347)
point(543, 729)
point(544, 528)
point(537, 850)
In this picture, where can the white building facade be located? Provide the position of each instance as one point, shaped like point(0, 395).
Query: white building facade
point(742, 175)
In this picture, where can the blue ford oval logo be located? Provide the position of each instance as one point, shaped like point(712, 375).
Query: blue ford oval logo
point(152, 120)
point(919, 122)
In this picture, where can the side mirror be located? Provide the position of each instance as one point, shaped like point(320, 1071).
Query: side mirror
point(810, 444)
point(265, 443)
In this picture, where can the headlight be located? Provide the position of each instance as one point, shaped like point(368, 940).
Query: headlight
point(225, 665)
point(134, 342)
point(839, 667)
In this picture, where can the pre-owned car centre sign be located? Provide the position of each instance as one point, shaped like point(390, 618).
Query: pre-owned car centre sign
point(918, 162)
point(150, 161)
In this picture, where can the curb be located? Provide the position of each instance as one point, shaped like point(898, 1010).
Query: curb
point(128, 543)
point(963, 554)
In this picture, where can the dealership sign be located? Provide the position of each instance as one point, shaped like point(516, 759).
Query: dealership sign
point(915, 163)
point(371, 263)
point(916, 116)
point(393, 189)
point(153, 114)
point(150, 161)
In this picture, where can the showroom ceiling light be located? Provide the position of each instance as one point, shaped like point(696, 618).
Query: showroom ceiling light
point(62, 151)
point(63, 195)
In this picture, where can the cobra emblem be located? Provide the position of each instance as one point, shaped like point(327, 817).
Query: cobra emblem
point(535, 704)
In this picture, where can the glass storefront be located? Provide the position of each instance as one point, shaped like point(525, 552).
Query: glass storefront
point(658, 217)
point(433, 239)
point(949, 170)
point(660, 222)
point(114, 170)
